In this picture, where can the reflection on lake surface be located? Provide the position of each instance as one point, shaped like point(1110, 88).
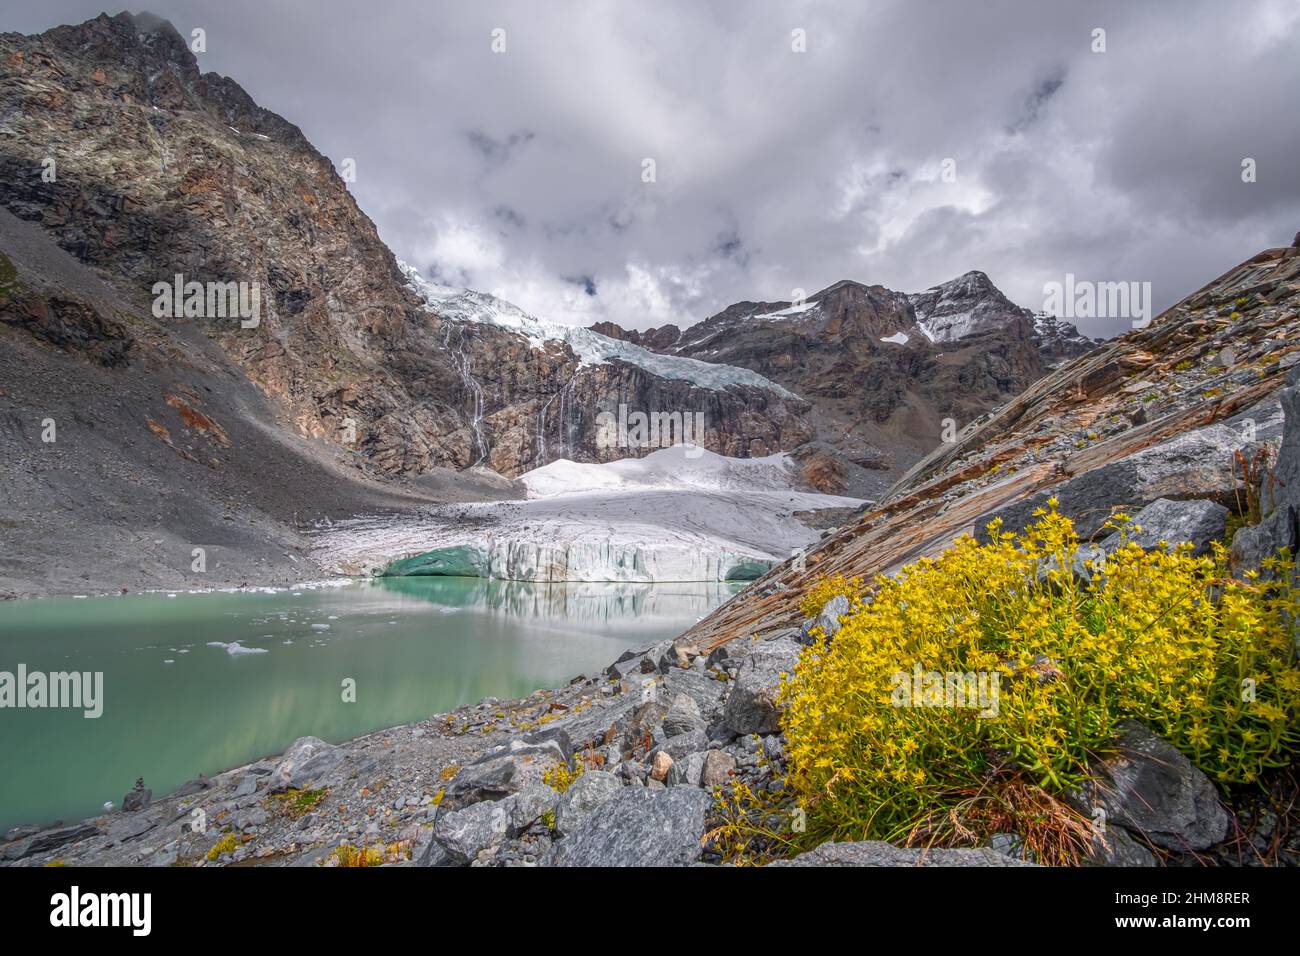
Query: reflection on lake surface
point(178, 703)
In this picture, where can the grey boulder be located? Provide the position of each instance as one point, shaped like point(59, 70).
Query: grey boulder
point(683, 716)
point(1149, 787)
point(1116, 847)
point(659, 657)
point(307, 760)
point(50, 840)
point(530, 805)
point(584, 796)
point(638, 827)
point(504, 770)
point(686, 771)
point(1200, 522)
point(464, 834)
point(829, 619)
point(683, 744)
point(1279, 496)
point(751, 707)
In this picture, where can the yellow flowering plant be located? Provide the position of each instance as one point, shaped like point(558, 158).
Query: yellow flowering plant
point(966, 694)
point(559, 777)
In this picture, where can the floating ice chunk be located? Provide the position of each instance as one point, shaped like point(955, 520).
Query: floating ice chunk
point(234, 648)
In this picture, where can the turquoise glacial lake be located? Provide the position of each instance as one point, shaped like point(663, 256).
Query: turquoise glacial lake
point(177, 702)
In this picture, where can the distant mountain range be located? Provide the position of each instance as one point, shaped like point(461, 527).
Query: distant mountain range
point(882, 369)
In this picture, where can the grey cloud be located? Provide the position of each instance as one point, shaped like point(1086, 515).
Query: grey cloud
point(780, 170)
point(1043, 91)
point(586, 283)
point(495, 152)
point(507, 217)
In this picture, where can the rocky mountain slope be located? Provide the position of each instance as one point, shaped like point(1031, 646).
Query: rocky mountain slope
point(1160, 412)
point(125, 444)
point(144, 168)
point(882, 370)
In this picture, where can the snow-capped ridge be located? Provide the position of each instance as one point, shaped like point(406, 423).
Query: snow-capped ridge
point(591, 348)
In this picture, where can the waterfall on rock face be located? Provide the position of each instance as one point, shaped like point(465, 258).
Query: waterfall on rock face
point(564, 427)
point(464, 368)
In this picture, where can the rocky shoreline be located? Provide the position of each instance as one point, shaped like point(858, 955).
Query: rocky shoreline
point(622, 768)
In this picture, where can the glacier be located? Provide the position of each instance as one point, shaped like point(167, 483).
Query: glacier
point(666, 517)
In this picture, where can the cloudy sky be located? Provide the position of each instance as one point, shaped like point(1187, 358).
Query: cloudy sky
point(522, 172)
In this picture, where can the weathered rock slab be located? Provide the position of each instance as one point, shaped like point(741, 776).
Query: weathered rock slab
point(638, 827)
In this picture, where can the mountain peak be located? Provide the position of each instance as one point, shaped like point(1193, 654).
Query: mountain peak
point(972, 283)
point(967, 305)
point(127, 38)
point(148, 22)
